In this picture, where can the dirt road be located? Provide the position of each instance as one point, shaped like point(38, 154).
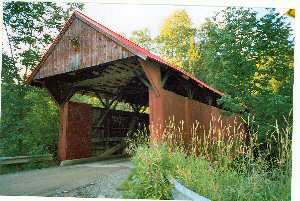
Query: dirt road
point(99, 179)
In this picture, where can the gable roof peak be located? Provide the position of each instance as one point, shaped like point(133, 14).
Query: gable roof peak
point(121, 40)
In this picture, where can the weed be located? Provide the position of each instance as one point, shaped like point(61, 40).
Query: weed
point(227, 162)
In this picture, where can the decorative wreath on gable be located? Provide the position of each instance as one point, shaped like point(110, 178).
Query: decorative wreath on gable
point(75, 42)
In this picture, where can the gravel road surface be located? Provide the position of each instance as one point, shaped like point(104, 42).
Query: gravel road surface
point(98, 179)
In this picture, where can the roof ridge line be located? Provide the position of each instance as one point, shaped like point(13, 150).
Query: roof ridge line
point(131, 46)
point(109, 29)
point(114, 34)
point(51, 47)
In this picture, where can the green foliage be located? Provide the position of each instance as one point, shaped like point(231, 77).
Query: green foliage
point(153, 164)
point(95, 102)
point(136, 139)
point(144, 39)
point(247, 176)
point(149, 178)
point(29, 122)
point(86, 99)
point(250, 58)
point(9, 73)
point(29, 117)
point(230, 104)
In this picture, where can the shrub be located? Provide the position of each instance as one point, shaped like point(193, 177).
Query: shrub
point(149, 178)
point(29, 123)
point(254, 173)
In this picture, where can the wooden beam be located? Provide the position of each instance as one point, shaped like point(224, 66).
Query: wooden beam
point(144, 81)
point(24, 159)
point(112, 150)
point(165, 78)
point(89, 160)
point(108, 106)
point(190, 92)
point(154, 79)
point(60, 91)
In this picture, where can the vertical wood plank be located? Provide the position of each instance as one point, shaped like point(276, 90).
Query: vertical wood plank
point(94, 48)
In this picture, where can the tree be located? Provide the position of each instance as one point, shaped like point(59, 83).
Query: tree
point(226, 53)
point(250, 58)
point(30, 118)
point(177, 40)
point(144, 39)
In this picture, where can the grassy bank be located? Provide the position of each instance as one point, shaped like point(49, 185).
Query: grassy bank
point(256, 171)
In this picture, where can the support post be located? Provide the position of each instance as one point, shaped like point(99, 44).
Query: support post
point(156, 101)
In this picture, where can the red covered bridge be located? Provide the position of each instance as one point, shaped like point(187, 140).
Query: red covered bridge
point(87, 57)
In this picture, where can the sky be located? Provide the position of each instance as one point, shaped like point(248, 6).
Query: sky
point(126, 18)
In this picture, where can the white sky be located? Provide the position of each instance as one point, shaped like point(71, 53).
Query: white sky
point(126, 18)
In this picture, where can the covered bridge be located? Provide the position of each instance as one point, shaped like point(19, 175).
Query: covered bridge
point(87, 57)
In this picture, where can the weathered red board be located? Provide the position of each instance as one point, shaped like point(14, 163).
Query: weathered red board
point(80, 46)
point(76, 127)
point(165, 105)
point(169, 105)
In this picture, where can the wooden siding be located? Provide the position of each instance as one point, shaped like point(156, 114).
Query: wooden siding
point(93, 48)
point(114, 128)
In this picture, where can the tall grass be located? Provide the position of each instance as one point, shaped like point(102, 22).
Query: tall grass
point(224, 162)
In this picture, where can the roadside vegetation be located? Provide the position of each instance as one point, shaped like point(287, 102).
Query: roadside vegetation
point(236, 169)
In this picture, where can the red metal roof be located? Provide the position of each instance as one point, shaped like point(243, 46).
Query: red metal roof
point(131, 46)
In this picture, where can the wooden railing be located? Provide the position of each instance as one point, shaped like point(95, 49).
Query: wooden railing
point(24, 159)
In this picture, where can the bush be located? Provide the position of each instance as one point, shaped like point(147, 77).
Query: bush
point(149, 178)
point(29, 122)
point(254, 174)
point(153, 166)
